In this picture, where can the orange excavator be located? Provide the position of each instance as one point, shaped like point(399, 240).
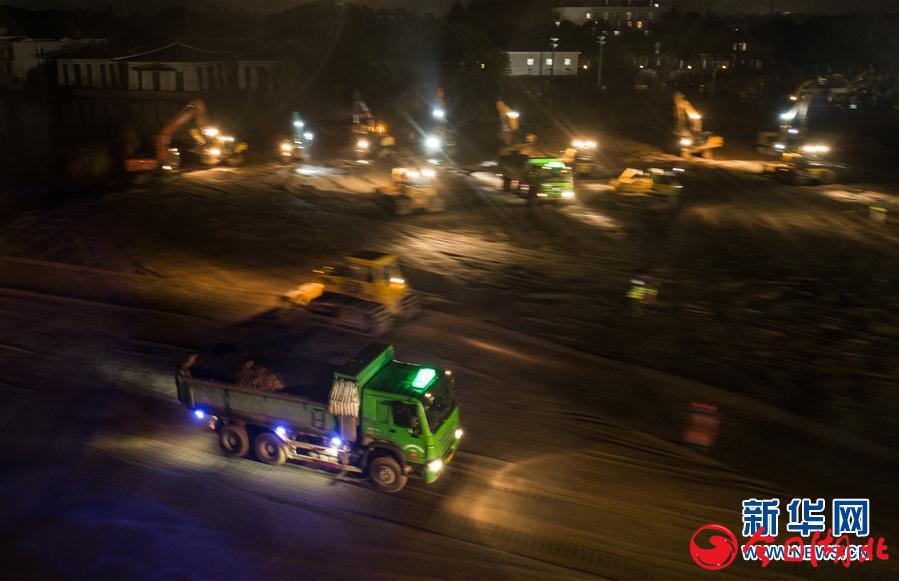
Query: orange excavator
point(169, 158)
point(211, 144)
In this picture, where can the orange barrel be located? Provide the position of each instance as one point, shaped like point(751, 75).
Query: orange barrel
point(702, 424)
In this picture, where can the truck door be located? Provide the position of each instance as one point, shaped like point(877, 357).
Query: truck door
point(406, 431)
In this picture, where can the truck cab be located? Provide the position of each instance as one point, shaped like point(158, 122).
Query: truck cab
point(538, 178)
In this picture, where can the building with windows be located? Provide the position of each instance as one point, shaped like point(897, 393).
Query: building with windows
point(547, 63)
point(89, 66)
point(266, 69)
point(618, 13)
point(177, 67)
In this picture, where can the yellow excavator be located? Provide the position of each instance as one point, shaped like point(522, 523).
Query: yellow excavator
point(366, 294)
point(691, 139)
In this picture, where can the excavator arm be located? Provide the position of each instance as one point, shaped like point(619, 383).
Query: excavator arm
point(194, 110)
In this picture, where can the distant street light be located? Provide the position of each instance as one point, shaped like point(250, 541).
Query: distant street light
point(601, 41)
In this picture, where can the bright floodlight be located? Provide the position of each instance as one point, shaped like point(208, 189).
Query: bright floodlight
point(200, 414)
point(286, 146)
point(297, 123)
point(308, 136)
point(695, 116)
point(362, 144)
point(428, 172)
point(336, 442)
point(512, 114)
point(215, 151)
point(210, 131)
point(432, 142)
point(788, 115)
point(435, 465)
point(438, 113)
point(686, 141)
point(577, 144)
point(281, 432)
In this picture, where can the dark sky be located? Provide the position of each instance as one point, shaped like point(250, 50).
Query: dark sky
point(439, 6)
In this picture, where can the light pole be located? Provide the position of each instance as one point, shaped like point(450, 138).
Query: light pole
point(555, 44)
point(601, 41)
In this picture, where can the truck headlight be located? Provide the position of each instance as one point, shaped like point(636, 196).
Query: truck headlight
point(362, 144)
point(686, 141)
point(286, 147)
point(435, 465)
point(568, 194)
point(214, 151)
point(459, 433)
point(432, 143)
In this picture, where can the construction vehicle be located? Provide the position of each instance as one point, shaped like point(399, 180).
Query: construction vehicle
point(370, 137)
point(372, 416)
point(691, 139)
point(537, 178)
point(809, 165)
point(213, 147)
point(510, 130)
point(442, 136)
point(411, 190)
point(296, 149)
point(581, 156)
point(652, 181)
point(366, 294)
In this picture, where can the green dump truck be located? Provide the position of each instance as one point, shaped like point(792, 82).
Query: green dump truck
point(372, 416)
point(539, 179)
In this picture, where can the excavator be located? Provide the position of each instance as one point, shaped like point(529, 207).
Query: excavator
point(366, 294)
point(802, 160)
point(213, 146)
point(370, 139)
point(691, 139)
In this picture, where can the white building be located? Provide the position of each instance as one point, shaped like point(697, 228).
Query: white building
point(89, 67)
point(619, 13)
point(20, 54)
point(548, 63)
point(176, 67)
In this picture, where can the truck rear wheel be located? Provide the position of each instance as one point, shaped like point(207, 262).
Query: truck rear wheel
point(234, 441)
point(386, 475)
point(270, 449)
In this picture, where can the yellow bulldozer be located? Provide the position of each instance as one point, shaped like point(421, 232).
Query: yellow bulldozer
point(367, 293)
point(412, 190)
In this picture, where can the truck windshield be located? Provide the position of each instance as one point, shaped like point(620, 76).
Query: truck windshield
point(439, 401)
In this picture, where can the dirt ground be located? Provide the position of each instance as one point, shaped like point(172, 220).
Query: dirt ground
point(777, 303)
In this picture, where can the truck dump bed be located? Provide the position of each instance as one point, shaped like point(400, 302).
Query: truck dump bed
point(312, 389)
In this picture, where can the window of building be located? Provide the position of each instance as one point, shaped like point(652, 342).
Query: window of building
point(65, 75)
point(90, 75)
point(103, 79)
point(77, 70)
point(157, 81)
point(179, 81)
point(113, 78)
point(530, 62)
point(248, 78)
point(211, 72)
point(549, 62)
point(200, 78)
point(567, 62)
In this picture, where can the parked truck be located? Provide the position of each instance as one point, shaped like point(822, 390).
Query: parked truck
point(371, 416)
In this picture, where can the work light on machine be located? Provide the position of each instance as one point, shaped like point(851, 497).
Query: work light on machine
point(308, 136)
point(432, 142)
point(210, 131)
point(438, 113)
point(685, 141)
point(362, 143)
point(286, 146)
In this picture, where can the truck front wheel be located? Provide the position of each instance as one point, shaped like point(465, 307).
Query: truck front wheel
point(270, 449)
point(386, 475)
point(234, 441)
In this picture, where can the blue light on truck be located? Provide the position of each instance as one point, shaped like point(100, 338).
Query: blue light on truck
point(200, 414)
point(281, 432)
point(336, 442)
